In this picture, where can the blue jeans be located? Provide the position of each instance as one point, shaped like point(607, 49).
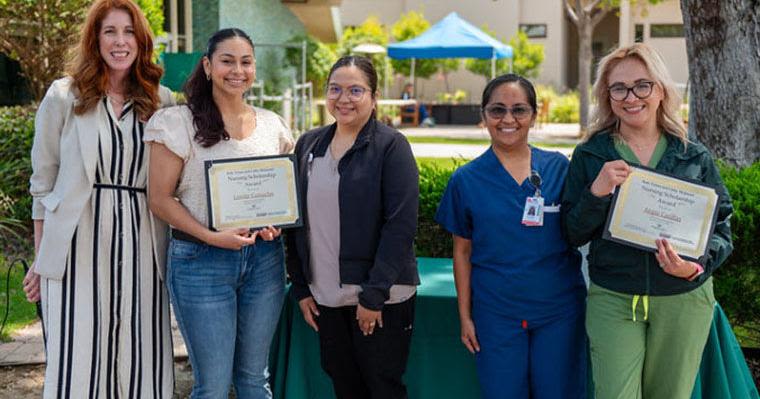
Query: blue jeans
point(227, 304)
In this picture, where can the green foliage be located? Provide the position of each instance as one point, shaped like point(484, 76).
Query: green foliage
point(456, 97)
point(154, 13)
point(432, 240)
point(565, 108)
point(527, 57)
point(16, 134)
point(319, 58)
point(38, 35)
point(737, 282)
point(370, 31)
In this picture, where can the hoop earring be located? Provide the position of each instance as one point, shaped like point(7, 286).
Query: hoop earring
point(208, 76)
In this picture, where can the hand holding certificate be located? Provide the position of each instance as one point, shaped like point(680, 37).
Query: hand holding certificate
point(650, 206)
point(252, 192)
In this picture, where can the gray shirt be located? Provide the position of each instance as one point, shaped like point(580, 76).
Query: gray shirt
point(323, 208)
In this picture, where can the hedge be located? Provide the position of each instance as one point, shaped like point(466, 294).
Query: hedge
point(737, 282)
point(16, 134)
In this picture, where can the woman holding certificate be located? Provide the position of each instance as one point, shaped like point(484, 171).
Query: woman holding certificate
point(352, 265)
point(519, 285)
point(227, 287)
point(99, 251)
point(649, 310)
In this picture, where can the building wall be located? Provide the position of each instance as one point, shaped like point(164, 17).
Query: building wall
point(552, 13)
point(673, 50)
point(205, 22)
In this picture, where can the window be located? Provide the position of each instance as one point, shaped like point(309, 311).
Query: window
point(639, 35)
point(178, 24)
point(666, 30)
point(534, 30)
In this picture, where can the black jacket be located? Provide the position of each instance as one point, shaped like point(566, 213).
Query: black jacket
point(378, 194)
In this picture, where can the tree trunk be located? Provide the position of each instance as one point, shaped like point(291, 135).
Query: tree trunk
point(723, 45)
point(585, 56)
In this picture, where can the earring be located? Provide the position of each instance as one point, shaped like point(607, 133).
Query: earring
point(208, 76)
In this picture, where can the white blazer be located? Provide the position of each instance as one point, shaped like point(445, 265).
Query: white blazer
point(64, 156)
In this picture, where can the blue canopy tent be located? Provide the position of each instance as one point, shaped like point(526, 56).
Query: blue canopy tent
point(451, 37)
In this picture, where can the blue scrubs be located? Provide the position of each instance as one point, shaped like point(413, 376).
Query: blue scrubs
point(528, 294)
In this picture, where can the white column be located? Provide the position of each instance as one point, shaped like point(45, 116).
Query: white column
point(188, 26)
point(174, 25)
point(624, 35)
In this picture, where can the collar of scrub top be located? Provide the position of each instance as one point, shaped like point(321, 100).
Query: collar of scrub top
point(535, 180)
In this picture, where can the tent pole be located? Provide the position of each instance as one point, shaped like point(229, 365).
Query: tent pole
point(414, 85)
point(385, 81)
point(493, 64)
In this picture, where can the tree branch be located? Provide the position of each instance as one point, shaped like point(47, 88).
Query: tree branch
point(589, 9)
point(598, 16)
point(571, 13)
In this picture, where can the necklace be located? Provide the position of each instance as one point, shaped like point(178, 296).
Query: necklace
point(637, 147)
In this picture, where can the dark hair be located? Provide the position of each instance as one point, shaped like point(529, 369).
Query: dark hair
point(209, 126)
point(530, 91)
point(363, 63)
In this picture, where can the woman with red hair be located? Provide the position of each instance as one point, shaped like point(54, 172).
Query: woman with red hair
point(98, 250)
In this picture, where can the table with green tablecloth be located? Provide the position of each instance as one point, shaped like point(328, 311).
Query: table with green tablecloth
point(439, 365)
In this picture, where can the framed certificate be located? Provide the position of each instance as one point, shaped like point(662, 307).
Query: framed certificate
point(253, 192)
point(651, 205)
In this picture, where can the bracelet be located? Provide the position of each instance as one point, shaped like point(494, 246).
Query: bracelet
point(697, 271)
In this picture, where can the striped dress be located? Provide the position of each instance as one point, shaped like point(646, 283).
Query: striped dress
point(107, 320)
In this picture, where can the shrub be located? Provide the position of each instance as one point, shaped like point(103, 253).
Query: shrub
point(16, 134)
point(432, 240)
point(737, 282)
point(565, 108)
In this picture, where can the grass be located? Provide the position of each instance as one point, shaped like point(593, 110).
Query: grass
point(748, 335)
point(21, 312)
point(473, 141)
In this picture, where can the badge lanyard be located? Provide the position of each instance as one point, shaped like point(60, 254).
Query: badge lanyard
point(533, 213)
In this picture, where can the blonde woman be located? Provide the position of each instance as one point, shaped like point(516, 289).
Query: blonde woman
point(648, 313)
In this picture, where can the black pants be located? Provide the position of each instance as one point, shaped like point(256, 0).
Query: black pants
point(366, 366)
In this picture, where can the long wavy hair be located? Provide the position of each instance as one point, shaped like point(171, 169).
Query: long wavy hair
point(668, 113)
point(207, 119)
point(90, 72)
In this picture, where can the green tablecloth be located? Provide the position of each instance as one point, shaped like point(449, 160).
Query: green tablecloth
point(440, 366)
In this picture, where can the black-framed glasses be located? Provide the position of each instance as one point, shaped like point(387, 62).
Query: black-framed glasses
point(354, 93)
point(497, 111)
point(642, 90)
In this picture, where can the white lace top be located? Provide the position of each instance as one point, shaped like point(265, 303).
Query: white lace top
point(173, 127)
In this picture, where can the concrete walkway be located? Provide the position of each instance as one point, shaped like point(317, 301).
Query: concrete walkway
point(546, 137)
point(27, 346)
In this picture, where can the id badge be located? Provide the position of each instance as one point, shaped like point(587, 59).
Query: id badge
point(533, 214)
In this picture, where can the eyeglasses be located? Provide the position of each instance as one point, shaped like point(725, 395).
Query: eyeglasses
point(497, 111)
point(354, 93)
point(642, 90)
